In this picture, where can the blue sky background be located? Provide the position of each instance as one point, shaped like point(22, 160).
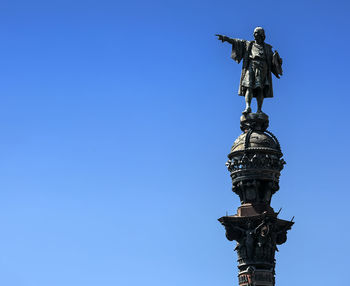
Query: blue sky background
point(116, 118)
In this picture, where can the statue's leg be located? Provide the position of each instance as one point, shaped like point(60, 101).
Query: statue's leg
point(248, 100)
point(260, 99)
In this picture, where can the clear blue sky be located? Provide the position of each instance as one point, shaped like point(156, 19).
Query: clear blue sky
point(116, 118)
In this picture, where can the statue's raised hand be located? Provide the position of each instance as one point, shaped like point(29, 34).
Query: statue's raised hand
point(220, 37)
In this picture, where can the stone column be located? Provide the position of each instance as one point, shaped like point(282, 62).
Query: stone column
point(255, 163)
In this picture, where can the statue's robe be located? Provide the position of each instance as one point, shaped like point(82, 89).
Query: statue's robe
point(242, 49)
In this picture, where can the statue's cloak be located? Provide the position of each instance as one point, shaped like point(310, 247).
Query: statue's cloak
point(241, 49)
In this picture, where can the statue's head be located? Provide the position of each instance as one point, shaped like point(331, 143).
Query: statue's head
point(259, 35)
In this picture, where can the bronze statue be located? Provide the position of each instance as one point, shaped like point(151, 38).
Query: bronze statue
point(258, 63)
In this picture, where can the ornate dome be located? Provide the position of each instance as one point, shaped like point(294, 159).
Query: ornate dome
point(255, 155)
point(255, 161)
point(256, 140)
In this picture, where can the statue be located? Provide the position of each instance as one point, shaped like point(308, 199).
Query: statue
point(246, 239)
point(258, 63)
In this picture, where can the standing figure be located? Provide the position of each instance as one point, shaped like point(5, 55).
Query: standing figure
point(258, 63)
point(246, 239)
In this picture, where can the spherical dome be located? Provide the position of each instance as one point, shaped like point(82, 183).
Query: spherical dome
point(257, 140)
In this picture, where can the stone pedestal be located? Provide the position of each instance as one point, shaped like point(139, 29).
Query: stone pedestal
point(256, 121)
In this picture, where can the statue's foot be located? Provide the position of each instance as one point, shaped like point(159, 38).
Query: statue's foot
point(259, 111)
point(246, 111)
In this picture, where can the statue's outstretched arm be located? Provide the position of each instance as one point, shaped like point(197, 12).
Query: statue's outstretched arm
point(238, 47)
point(223, 38)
